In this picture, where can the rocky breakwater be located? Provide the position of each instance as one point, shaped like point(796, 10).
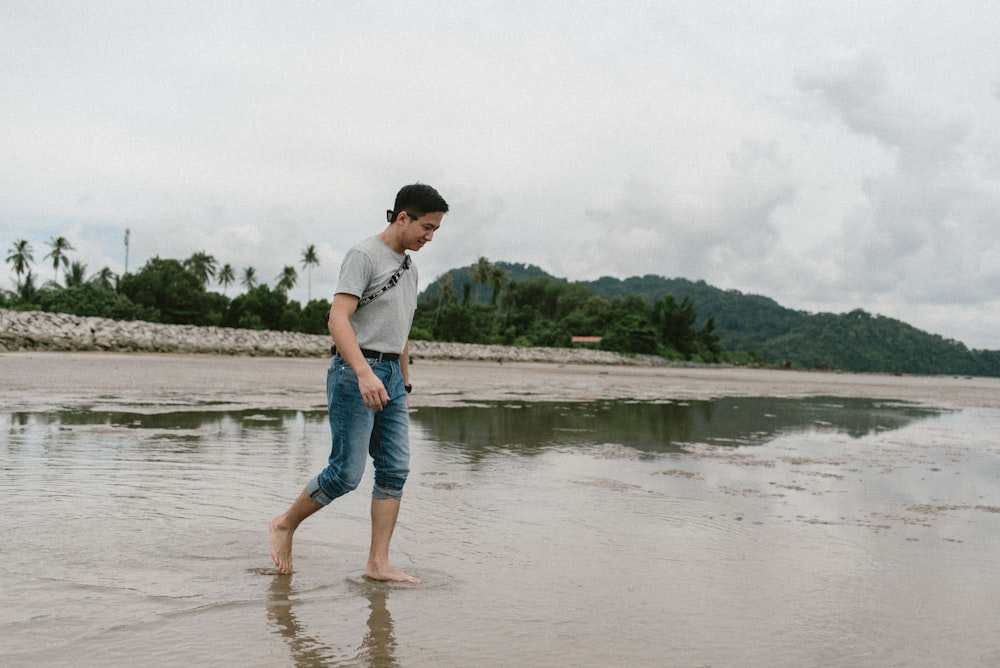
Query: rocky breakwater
point(36, 330)
point(471, 351)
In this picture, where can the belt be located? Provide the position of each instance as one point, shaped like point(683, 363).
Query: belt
point(372, 354)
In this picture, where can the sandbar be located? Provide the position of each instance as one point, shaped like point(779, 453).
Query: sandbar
point(42, 381)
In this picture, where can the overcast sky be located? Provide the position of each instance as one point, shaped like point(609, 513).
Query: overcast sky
point(829, 155)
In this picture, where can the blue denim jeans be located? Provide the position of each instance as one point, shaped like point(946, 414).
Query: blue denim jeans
point(358, 431)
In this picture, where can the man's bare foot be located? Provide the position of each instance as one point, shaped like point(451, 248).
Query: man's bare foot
point(388, 573)
point(281, 545)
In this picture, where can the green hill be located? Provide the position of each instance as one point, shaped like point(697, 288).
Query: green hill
point(742, 322)
point(855, 341)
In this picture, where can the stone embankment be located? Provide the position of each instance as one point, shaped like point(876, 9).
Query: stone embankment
point(35, 330)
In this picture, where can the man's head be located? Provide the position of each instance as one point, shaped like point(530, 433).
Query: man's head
point(414, 218)
point(416, 200)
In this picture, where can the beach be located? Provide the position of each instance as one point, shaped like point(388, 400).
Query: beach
point(558, 513)
point(152, 382)
point(53, 358)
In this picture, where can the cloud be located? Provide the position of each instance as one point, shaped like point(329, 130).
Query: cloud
point(726, 232)
point(928, 224)
point(831, 160)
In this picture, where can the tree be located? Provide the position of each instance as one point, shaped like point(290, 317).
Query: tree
point(258, 308)
point(249, 279)
point(202, 265)
point(286, 279)
point(20, 258)
point(632, 333)
point(310, 259)
point(542, 294)
point(59, 246)
point(676, 324)
point(226, 276)
point(708, 342)
point(76, 275)
point(508, 300)
point(482, 272)
point(167, 287)
point(90, 299)
point(313, 318)
point(105, 279)
point(28, 292)
point(499, 280)
point(446, 294)
point(461, 323)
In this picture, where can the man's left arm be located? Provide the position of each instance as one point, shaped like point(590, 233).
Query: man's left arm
point(404, 366)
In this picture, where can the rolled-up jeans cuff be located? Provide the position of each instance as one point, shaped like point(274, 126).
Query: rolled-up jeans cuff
point(380, 492)
point(316, 493)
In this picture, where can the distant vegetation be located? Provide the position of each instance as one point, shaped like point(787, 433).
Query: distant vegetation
point(512, 304)
point(166, 291)
point(746, 328)
point(522, 306)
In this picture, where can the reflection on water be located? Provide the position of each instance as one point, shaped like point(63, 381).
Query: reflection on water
point(377, 648)
point(658, 427)
point(198, 422)
point(824, 531)
point(307, 651)
point(379, 645)
point(529, 426)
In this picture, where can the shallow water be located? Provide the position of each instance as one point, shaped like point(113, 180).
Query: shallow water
point(750, 531)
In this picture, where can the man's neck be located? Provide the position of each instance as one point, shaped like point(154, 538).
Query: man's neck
point(390, 239)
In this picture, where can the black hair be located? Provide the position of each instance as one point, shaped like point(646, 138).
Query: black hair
point(416, 199)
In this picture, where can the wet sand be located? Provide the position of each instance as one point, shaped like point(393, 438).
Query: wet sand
point(550, 529)
point(154, 382)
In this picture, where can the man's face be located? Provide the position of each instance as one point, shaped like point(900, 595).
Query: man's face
point(417, 232)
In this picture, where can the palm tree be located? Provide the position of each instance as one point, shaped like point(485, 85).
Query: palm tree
point(286, 279)
point(21, 258)
point(482, 270)
point(249, 278)
point(508, 298)
point(446, 294)
point(76, 275)
point(310, 259)
point(226, 276)
point(28, 291)
point(498, 280)
point(59, 246)
point(104, 279)
point(202, 265)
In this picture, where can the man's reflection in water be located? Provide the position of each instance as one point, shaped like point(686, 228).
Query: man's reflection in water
point(378, 647)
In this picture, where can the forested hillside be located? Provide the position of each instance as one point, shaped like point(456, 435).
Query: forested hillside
point(744, 327)
point(742, 321)
point(522, 305)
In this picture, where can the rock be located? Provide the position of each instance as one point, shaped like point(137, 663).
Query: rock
point(36, 330)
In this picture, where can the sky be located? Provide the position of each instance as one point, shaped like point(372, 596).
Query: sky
point(829, 155)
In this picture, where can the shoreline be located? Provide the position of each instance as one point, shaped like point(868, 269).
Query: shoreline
point(58, 360)
point(23, 331)
point(47, 381)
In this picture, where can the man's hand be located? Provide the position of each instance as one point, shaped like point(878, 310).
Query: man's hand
point(372, 391)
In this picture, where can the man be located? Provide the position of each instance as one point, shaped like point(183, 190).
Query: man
point(368, 379)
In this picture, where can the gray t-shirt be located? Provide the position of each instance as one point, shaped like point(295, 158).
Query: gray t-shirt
point(383, 324)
